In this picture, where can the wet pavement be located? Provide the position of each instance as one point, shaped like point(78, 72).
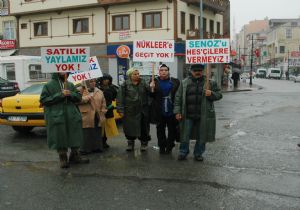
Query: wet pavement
point(254, 164)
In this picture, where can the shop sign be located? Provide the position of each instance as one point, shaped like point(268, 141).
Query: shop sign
point(123, 51)
point(7, 44)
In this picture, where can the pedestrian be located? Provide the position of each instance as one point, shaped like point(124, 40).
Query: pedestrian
point(194, 110)
point(109, 129)
point(93, 109)
point(63, 119)
point(287, 75)
point(236, 68)
point(162, 105)
point(132, 105)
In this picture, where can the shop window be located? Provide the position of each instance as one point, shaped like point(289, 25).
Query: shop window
point(9, 30)
point(120, 22)
point(41, 29)
point(81, 25)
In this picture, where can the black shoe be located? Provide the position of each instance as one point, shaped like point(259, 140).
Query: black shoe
point(97, 151)
point(144, 147)
point(198, 158)
point(181, 157)
point(162, 150)
point(130, 148)
point(168, 151)
point(75, 158)
point(105, 146)
point(84, 152)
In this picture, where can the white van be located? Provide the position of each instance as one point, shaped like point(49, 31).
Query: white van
point(261, 73)
point(25, 70)
point(274, 73)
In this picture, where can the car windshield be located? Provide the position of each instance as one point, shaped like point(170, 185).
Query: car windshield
point(2, 80)
point(275, 71)
point(33, 90)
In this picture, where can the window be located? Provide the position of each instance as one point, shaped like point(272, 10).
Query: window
point(41, 29)
point(120, 22)
point(35, 73)
point(281, 49)
point(204, 25)
point(152, 20)
point(288, 33)
point(218, 28)
point(211, 26)
point(10, 71)
point(294, 24)
point(182, 28)
point(24, 26)
point(9, 30)
point(192, 22)
point(81, 25)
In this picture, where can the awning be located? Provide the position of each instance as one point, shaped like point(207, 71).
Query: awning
point(4, 53)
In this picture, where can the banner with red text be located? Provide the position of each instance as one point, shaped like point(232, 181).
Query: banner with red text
point(94, 72)
point(153, 51)
point(208, 51)
point(65, 59)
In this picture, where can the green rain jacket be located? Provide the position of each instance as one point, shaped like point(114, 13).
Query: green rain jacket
point(63, 119)
point(208, 116)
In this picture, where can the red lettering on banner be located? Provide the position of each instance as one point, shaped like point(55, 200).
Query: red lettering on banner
point(153, 44)
point(91, 60)
point(66, 51)
point(64, 67)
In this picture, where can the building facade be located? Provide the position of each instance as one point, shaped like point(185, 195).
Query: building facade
point(105, 25)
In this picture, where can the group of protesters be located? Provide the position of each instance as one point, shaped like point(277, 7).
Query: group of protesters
point(81, 119)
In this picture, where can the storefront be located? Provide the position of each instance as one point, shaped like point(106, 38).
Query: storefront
point(120, 60)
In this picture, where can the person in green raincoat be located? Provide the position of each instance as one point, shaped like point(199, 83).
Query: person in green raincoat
point(132, 104)
point(63, 119)
point(194, 109)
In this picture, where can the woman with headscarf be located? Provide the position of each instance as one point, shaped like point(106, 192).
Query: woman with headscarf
point(93, 109)
point(109, 128)
point(132, 104)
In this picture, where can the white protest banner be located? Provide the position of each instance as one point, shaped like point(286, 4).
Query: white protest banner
point(65, 59)
point(153, 51)
point(207, 51)
point(94, 72)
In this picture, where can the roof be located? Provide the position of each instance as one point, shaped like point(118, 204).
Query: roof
point(20, 57)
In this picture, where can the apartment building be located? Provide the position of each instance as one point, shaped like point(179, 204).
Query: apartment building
point(7, 30)
point(283, 43)
point(105, 25)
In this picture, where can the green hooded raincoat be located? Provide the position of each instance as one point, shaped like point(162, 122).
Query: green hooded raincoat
point(63, 119)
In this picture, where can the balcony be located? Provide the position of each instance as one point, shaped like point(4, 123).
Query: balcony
point(195, 34)
point(217, 6)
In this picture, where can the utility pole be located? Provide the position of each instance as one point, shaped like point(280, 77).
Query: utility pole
point(251, 61)
point(201, 19)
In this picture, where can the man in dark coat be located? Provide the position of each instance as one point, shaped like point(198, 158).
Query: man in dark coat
point(63, 119)
point(194, 109)
point(161, 112)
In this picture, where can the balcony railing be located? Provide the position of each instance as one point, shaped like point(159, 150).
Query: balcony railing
point(213, 5)
point(195, 34)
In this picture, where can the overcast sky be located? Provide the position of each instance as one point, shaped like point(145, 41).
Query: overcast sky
point(244, 11)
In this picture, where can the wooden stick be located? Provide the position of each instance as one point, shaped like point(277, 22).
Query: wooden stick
point(208, 66)
point(152, 89)
point(66, 82)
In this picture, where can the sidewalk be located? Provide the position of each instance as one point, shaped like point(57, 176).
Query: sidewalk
point(243, 86)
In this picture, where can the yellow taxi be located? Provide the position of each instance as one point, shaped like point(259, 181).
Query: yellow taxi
point(24, 112)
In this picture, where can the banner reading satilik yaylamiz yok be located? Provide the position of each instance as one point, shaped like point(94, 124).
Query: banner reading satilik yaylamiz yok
point(65, 59)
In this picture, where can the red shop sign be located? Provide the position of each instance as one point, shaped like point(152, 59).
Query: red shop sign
point(7, 44)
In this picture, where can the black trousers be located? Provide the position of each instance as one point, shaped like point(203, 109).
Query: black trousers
point(164, 141)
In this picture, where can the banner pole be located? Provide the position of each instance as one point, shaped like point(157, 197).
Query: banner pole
point(152, 79)
point(208, 76)
point(66, 82)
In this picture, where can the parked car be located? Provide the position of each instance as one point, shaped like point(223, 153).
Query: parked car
point(8, 88)
point(274, 73)
point(295, 78)
point(24, 112)
point(261, 73)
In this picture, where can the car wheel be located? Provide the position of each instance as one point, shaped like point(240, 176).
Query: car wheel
point(23, 129)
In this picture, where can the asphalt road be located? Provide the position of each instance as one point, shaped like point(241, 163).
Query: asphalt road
point(254, 164)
